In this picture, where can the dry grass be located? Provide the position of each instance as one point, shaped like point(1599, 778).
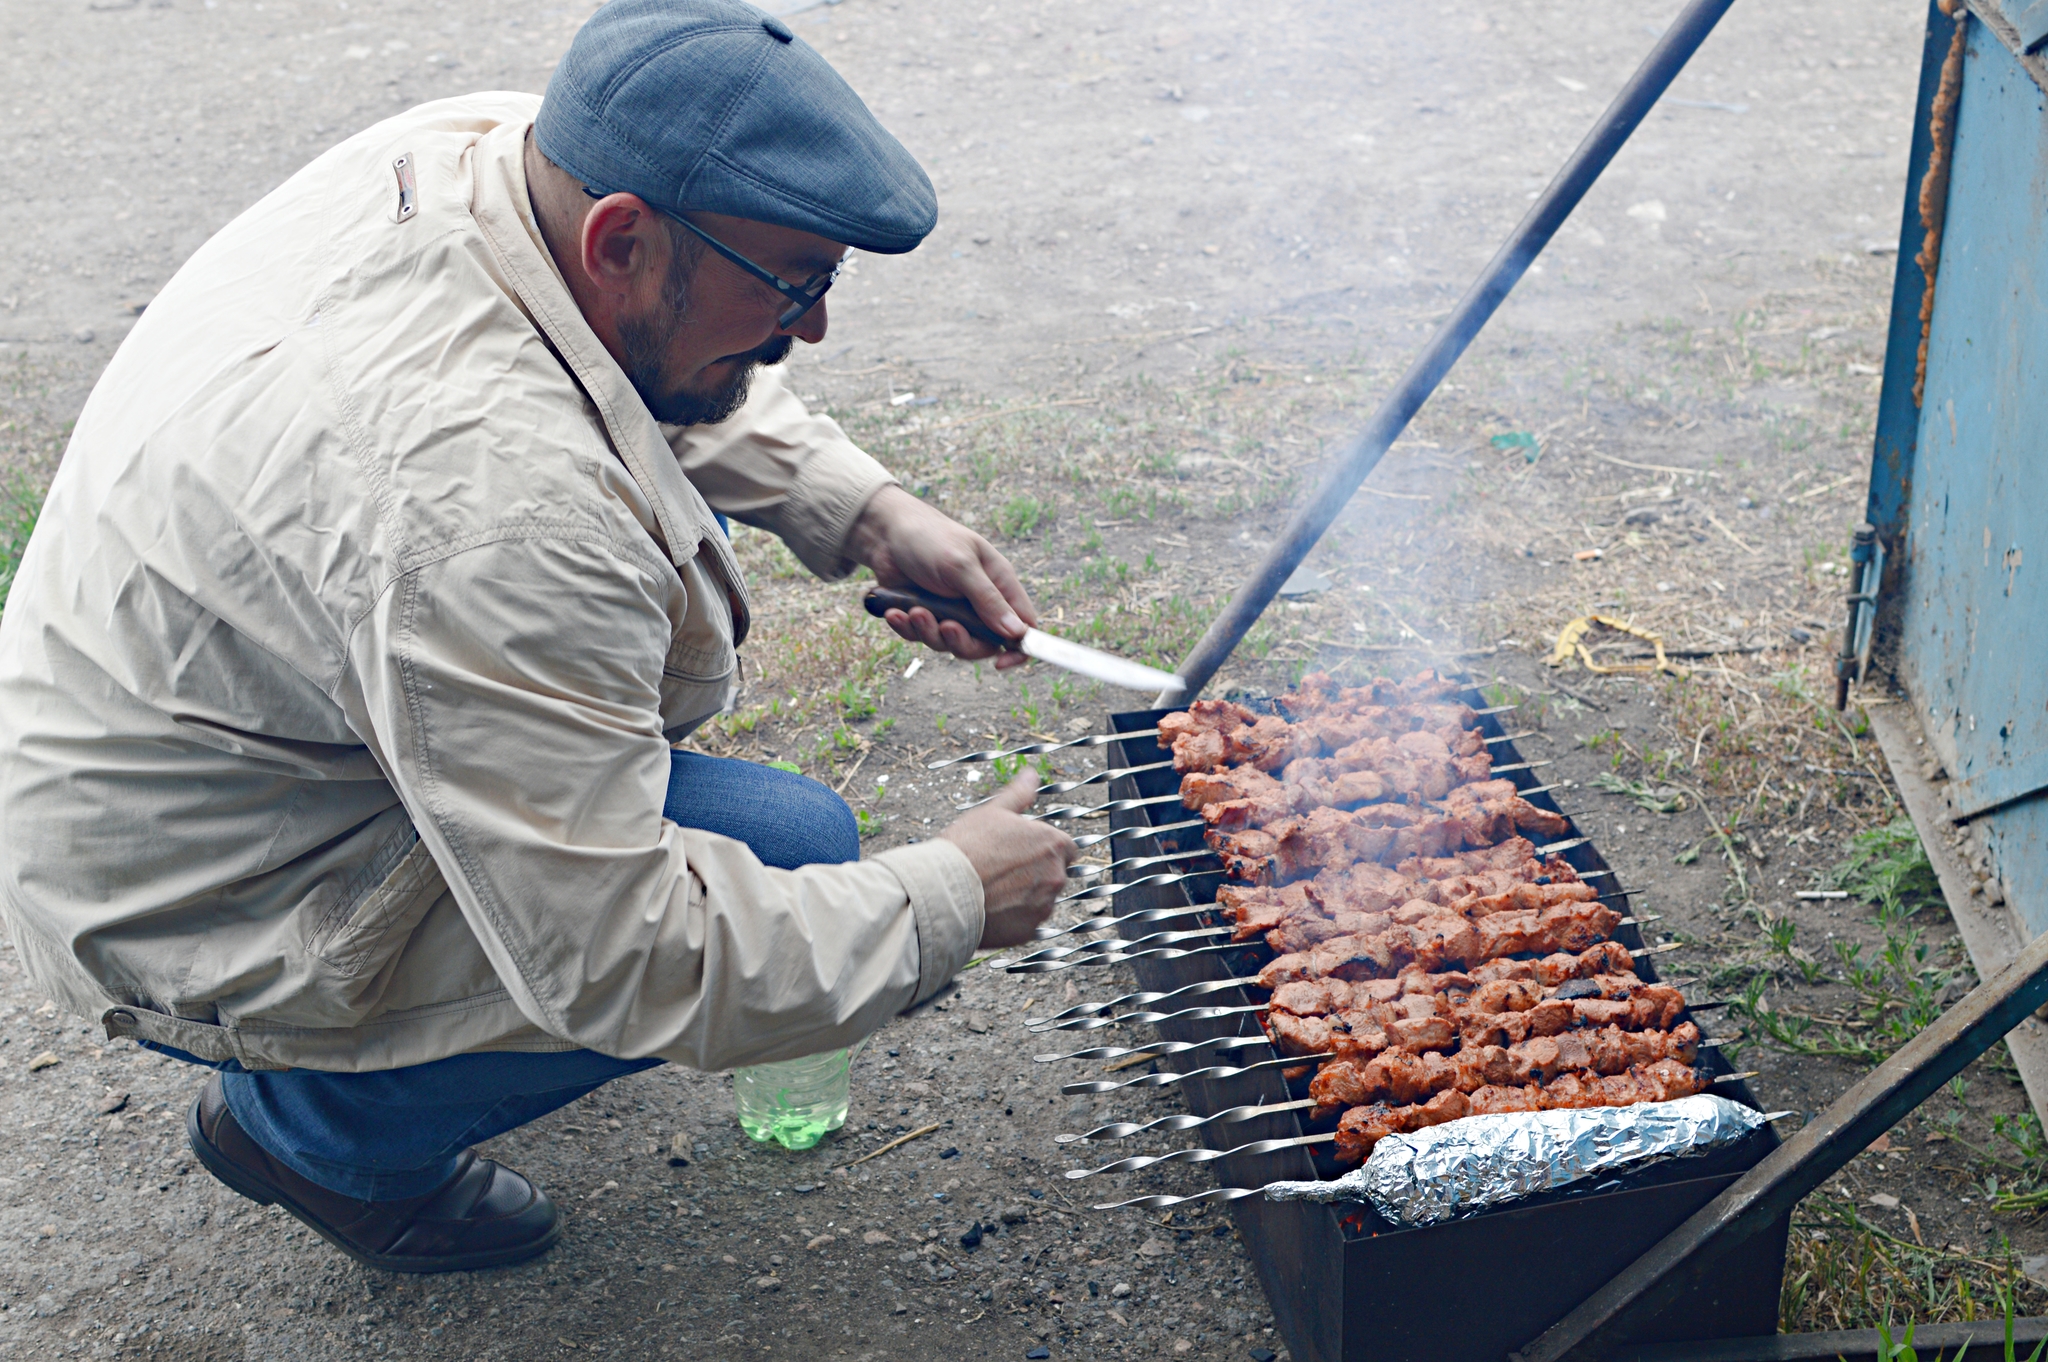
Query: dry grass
point(1841, 1272)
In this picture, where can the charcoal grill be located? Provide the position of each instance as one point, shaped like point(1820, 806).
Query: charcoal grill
point(1346, 1285)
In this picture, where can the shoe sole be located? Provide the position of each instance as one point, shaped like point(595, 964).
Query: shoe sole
point(263, 1194)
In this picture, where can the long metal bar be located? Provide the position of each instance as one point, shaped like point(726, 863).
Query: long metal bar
point(1804, 1162)
point(1502, 273)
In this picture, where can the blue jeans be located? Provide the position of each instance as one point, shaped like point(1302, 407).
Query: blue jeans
point(400, 1132)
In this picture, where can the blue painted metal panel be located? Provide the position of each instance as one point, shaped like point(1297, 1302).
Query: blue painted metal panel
point(2030, 18)
point(1974, 615)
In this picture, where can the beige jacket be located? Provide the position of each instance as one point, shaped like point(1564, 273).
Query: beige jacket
point(338, 683)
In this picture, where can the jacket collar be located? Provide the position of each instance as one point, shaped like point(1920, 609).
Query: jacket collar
point(504, 214)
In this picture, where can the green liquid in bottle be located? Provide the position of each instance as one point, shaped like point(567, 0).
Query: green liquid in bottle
point(795, 1103)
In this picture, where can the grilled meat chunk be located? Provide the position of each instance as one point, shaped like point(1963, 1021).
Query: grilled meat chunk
point(1363, 1127)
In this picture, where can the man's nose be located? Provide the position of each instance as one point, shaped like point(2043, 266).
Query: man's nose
point(810, 328)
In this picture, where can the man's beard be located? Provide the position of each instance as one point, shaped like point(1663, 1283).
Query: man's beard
point(646, 340)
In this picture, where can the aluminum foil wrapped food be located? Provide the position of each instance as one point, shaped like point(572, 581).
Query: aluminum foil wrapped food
point(1478, 1162)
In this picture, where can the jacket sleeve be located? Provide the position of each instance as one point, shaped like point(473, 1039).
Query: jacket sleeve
point(511, 691)
point(782, 468)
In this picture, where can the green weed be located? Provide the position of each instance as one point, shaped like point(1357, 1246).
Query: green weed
point(1654, 799)
point(857, 701)
point(1019, 516)
point(1888, 868)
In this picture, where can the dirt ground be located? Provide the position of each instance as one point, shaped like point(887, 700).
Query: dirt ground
point(1184, 248)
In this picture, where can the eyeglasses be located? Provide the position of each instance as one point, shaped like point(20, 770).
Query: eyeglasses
point(802, 297)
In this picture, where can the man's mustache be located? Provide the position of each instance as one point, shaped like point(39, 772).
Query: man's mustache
point(772, 351)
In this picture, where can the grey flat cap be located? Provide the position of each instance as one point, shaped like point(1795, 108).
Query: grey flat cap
point(715, 105)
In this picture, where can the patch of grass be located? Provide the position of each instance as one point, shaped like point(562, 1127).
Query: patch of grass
point(1020, 516)
point(1888, 868)
point(1653, 799)
point(1898, 995)
point(763, 555)
point(1841, 1272)
point(857, 699)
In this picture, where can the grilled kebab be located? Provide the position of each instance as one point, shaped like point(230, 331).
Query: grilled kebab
point(1297, 847)
point(1665, 1080)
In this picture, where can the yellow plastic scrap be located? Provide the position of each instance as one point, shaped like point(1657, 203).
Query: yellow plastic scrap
point(1571, 640)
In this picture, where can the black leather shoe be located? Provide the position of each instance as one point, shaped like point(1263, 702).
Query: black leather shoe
point(486, 1215)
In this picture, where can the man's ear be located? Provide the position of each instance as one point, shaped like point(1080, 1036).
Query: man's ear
point(622, 246)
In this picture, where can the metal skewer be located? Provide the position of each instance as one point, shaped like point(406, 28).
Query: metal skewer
point(1158, 1049)
point(1104, 891)
point(1123, 805)
point(1062, 786)
point(1123, 1130)
point(1097, 838)
point(1132, 1165)
point(1052, 1023)
point(1191, 934)
point(1163, 1079)
point(1096, 1023)
point(1088, 869)
point(1119, 957)
point(1037, 749)
point(1160, 1203)
point(1087, 1016)
point(1100, 923)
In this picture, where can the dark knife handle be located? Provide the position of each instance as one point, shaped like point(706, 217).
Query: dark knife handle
point(881, 599)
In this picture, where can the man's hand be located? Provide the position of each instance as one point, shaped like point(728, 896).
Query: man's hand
point(907, 543)
point(1022, 864)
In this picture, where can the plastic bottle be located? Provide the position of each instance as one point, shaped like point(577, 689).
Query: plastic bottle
point(796, 1102)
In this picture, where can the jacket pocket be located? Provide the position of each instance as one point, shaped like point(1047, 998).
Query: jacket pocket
point(384, 918)
point(699, 657)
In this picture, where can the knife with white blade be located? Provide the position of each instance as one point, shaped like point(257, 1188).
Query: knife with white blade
point(1062, 653)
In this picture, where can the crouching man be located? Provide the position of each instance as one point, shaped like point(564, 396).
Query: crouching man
point(339, 682)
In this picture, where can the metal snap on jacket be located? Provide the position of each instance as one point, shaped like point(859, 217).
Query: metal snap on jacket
point(408, 189)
